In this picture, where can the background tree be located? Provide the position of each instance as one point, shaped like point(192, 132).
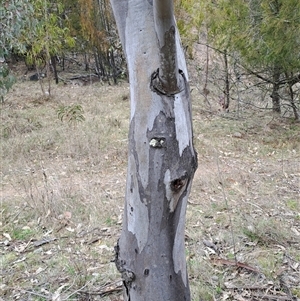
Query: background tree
point(46, 36)
point(33, 29)
point(162, 161)
point(97, 25)
point(93, 25)
point(13, 21)
point(263, 36)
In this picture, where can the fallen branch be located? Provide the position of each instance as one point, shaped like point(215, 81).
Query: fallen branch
point(43, 241)
point(31, 293)
point(221, 261)
point(106, 290)
point(273, 297)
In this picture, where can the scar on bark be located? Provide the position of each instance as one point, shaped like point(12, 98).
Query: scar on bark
point(177, 184)
point(127, 275)
point(156, 84)
point(157, 142)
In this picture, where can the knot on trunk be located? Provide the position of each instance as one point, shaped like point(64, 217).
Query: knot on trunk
point(159, 86)
point(177, 184)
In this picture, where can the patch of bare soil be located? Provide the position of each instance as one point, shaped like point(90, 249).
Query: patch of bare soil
point(62, 190)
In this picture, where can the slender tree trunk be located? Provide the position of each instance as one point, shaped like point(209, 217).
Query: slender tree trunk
point(99, 70)
point(227, 85)
point(292, 97)
point(53, 62)
point(86, 62)
point(205, 89)
point(151, 251)
point(275, 92)
point(292, 101)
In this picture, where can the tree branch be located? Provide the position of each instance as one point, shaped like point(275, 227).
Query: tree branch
point(165, 29)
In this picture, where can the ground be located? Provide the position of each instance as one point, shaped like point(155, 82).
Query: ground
point(63, 171)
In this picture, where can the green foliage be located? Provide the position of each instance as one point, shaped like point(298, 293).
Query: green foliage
point(13, 21)
point(250, 233)
point(72, 114)
point(293, 204)
point(41, 29)
point(48, 36)
point(95, 20)
point(264, 33)
point(261, 35)
point(33, 28)
point(22, 234)
point(189, 17)
point(6, 81)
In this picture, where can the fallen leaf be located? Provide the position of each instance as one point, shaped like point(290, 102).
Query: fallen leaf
point(296, 232)
point(239, 298)
point(57, 294)
point(39, 270)
point(6, 235)
point(48, 213)
point(68, 215)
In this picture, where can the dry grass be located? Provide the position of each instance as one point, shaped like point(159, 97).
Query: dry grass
point(62, 190)
point(65, 182)
point(246, 192)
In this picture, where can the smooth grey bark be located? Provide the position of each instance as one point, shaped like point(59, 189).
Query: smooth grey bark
point(161, 162)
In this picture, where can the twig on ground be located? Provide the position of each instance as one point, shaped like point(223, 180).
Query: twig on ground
point(110, 288)
point(31, 293)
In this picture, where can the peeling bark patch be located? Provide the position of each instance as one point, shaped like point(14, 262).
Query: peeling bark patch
point(181, 125)
point(138, 222)
point(137, 219)
point(167, 179)
point(179, 248)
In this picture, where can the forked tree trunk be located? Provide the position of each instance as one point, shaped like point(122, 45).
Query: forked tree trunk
point(151, 250)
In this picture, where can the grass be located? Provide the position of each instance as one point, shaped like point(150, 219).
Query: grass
point(65, 181)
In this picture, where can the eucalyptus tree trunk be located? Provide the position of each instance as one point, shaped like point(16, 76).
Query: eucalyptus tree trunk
point(161, 162)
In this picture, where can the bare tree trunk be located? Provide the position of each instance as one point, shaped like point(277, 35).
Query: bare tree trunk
point(54, 68)
point(151, 251)
point(275, 92)
point(205, 89)
point(292, 98)
point(227, 85)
